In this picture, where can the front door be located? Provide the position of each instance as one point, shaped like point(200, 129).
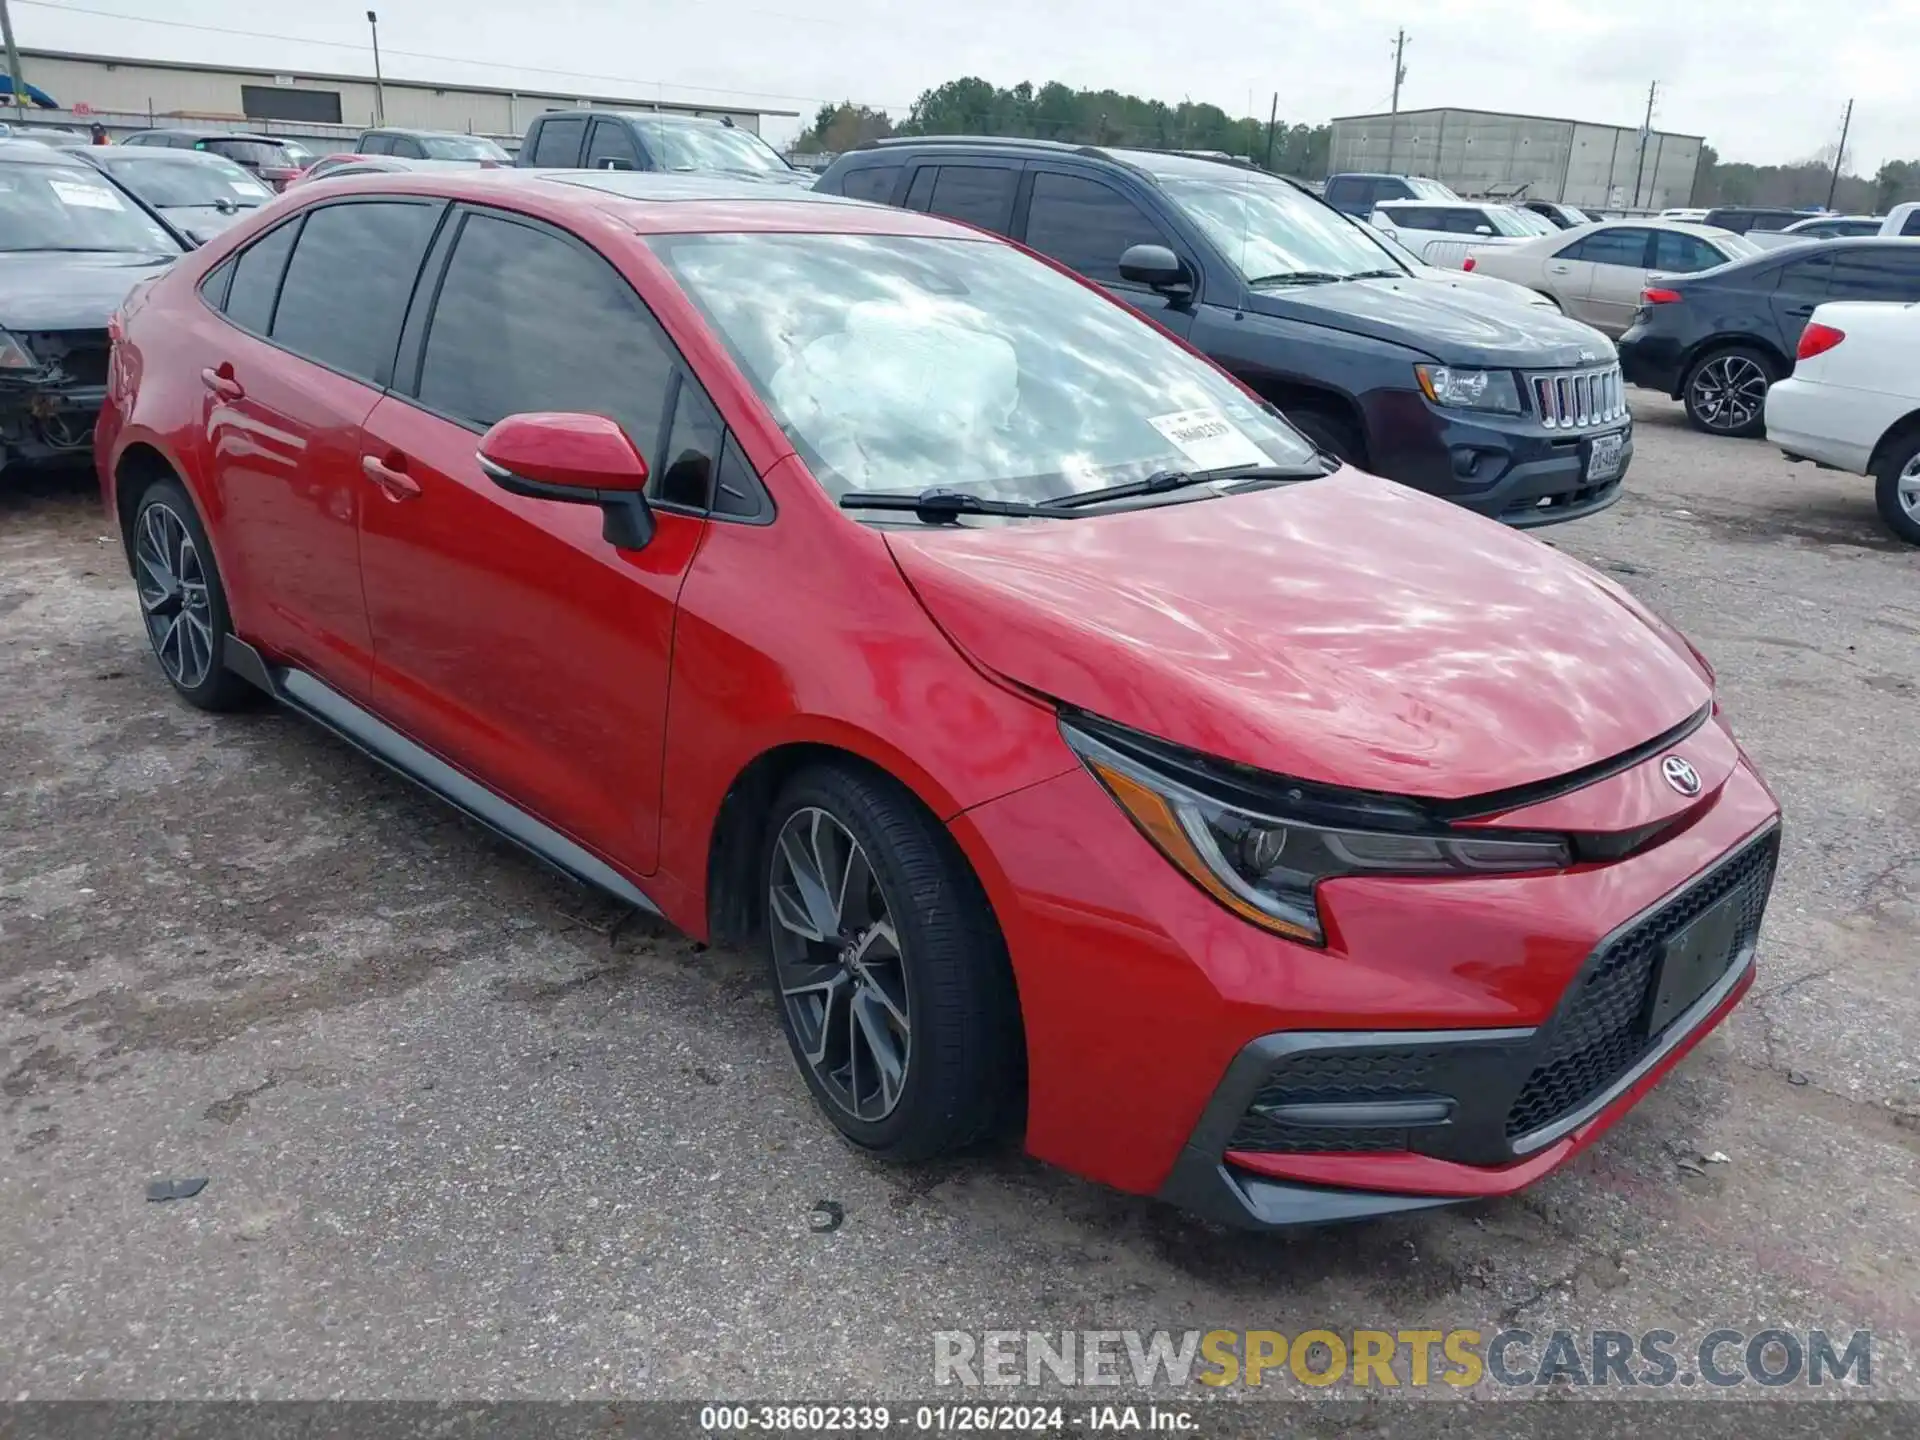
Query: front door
point(509, 636)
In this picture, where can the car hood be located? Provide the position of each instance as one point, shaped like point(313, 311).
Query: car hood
point(54, 290)
point(202, 222)
point(1346, 630)
point(1455, 327)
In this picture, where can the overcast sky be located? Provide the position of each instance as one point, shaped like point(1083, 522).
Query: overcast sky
point(1763, 80)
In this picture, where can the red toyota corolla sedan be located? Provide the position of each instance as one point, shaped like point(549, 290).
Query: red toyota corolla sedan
point(1085, 752)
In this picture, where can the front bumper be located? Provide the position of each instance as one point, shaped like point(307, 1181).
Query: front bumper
point(1507, 467)
point(50, 423)
point(1348, 1124)
point(1141, 996)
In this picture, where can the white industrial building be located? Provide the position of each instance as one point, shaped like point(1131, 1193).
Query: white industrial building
point(326, 112)
point(1483, 153)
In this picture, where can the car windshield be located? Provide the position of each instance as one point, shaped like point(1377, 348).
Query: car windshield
point(1429, 189)
point(710, 147)
point(900, 364)
point(270, 153)
point(53, 207)
point(1271, 231)
point(461, 147)
point(169, 184)
point(1512, 220)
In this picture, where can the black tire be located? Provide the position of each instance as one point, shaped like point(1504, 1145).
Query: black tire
point(186, 629)
point(1901, 463)
point(1331, 433)
point(1725, 391)
point(963, 1067)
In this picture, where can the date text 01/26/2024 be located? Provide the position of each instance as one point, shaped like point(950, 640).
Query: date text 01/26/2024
point(943, 1419)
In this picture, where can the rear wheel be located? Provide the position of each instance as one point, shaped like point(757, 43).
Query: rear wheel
point(1330, 433)
point(1726, 391)
point(890, 973)
point(182, 601)
point(1897, 489)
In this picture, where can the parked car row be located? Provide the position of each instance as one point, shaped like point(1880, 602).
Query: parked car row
point(1089, 753)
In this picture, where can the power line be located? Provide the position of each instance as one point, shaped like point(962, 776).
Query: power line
point(626, 80)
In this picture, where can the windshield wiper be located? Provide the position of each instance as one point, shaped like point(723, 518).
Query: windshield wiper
point(1164, 480)
point(1378, 275)
point(1298, 277)
point(938, 506)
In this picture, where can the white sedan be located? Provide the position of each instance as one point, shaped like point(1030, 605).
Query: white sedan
point(1595, 273)
point(1486, 285)
point(1853, 402)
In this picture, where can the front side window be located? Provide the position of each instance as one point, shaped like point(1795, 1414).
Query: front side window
point(376, 144)
point(1272, 233)
point(711, 147)
point(57, 207)
point(526, 320)
point(897, 364)
point(1085, 224)
point(347, 285)
point(612, 147)
point(1876, 274)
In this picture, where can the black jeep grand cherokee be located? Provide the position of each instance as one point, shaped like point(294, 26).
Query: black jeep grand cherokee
point(1512, 411)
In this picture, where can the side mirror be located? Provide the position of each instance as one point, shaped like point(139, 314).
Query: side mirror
point(613, 162)
point(1483, 229)
point(1157, 266)
point(576, 459)
point(1388, 231)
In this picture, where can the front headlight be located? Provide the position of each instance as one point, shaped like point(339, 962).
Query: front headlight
point(14, 355)
point(1261, 844)
point(1469, 389)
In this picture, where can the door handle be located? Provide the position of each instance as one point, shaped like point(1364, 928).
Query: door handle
point(1800, 312)
point(1559, 269)
point(222, 383)
point(394, 483)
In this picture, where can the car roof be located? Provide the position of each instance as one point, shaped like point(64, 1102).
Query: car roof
point(662, 116)
point(32, 152)
point(655, 202)
point(154, 155)
point(216, 134)
point(1153, 164)
point(422, 130)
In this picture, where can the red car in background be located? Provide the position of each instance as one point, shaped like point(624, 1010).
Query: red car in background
point(1086, 753)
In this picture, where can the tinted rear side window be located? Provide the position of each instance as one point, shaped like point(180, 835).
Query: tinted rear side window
point(1680, 253)
point(256, 279)
point(978, 194)
point(871, 182)
point(559, 142)
point(1086, 225)
point(347, 285)
point(528, 321)
point(1911, 225)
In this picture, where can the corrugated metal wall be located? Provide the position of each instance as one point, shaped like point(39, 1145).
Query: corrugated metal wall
point(1473, 153)
point(175, 96)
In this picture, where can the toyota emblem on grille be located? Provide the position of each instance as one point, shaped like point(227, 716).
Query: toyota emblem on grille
point(1680, 775)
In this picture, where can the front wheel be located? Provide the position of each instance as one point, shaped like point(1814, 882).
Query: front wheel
point(1331, 434)
point(1726, 392)
point(1897, 489)
point(891, 975)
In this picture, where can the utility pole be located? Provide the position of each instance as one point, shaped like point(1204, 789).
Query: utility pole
point(1273, 119)
point(1839, 156)
point(379, 86)
point(1399, 69)
point(1646, 130)
point(13, 64)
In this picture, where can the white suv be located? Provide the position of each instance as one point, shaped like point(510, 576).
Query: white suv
point(1441, 235)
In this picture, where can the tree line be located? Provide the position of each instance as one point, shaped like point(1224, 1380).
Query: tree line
point(1053, 111)
point(1084, 117)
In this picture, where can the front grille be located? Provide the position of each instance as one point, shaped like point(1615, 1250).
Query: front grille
point(1578, 399)
point(1601, 1032)
point(81, 355)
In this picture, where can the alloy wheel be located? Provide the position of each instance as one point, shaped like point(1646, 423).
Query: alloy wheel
point(174, 601)
point(1906, 489)
point(842, 975)
point(1728, 392)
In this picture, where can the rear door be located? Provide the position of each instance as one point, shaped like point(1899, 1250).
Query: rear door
point(312, 317)
point(1087, 223)
point(558, 143)
point(1800, 285)
point(509, 636)
point(1615, 266)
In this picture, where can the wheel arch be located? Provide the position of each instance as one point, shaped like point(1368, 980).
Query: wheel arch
point(1906, 428)
point(138, 467)
point(1287, 392)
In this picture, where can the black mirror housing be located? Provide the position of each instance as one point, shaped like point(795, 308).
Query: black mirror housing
point(626, 519)
point(1157, 266)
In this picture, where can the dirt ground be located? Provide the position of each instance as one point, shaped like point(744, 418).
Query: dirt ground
point(463, 1138)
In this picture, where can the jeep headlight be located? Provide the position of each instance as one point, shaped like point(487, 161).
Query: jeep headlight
point(1469, 389)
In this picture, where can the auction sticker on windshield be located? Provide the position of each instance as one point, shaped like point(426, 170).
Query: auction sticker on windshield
point(1208, 439)
point(79, 192)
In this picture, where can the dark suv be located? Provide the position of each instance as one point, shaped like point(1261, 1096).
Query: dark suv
point(644, 140)
point(1513, 411)
point(1359, 194)
point(1717, 340)
point(1742, 218)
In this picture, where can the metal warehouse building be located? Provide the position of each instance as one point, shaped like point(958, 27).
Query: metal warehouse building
point(1478, 152)
point(325, 111)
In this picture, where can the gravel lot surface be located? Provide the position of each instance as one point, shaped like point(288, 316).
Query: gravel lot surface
point(464, 1137)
